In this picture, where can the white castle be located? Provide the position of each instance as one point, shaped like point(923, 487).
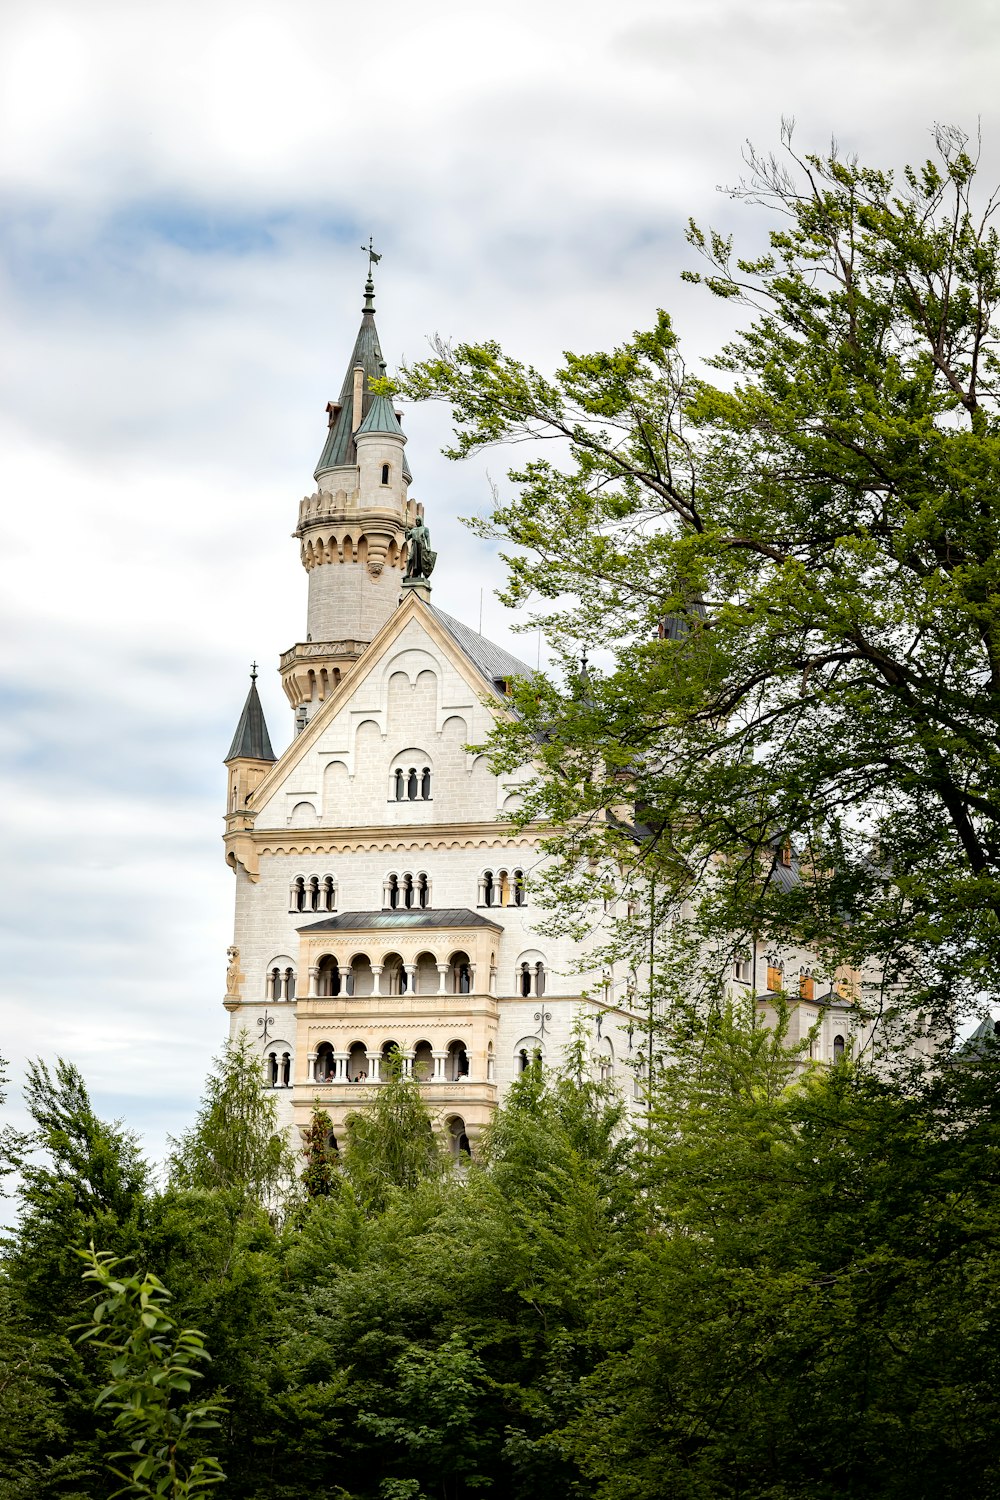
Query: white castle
point(383, 898)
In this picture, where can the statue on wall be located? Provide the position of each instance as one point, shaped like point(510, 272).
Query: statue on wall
point(233, 971)
point(420, 559)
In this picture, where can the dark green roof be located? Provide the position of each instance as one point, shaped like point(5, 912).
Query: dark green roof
point(251, 740)
point(339, 449)
point(415, 917)
point(381, 418)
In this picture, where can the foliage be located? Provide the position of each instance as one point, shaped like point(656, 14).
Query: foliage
point(319, 1174)
point(795, 572)
point(152, 1365)
point(235, 1144)
point(391, 1143)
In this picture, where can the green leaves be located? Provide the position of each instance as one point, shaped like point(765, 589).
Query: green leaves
point(153, 1362)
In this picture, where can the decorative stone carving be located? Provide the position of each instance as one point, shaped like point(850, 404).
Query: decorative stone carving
point(233, 975)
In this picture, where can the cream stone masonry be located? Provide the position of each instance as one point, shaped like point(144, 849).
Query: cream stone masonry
point(384, 902)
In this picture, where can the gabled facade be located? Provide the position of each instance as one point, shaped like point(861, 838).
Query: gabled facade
point(383, 900)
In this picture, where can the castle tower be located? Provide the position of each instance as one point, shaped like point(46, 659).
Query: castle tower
point(248, 762)
point(352, 529)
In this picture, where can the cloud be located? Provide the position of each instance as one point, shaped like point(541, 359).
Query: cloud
point(184, 192)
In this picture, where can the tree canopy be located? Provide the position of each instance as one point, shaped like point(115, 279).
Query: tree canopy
point(789, 551)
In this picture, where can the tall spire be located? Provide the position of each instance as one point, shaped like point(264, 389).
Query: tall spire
point(366, 356)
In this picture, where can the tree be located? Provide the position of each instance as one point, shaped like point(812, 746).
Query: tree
point(84, 1178)
point(390, 1143)
point(152, 1364)
point(319, 1174)
point(795, 569)
point(235, 1144)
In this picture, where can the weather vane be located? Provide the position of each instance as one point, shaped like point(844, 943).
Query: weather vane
point(373, 255)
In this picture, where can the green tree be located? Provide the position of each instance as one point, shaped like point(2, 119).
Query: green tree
point(152, 1364)
point(320, 1172)
point(235, 1145)
point(390, 1144)
point(795, 570)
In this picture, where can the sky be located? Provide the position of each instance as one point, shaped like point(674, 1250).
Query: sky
point(184, 191)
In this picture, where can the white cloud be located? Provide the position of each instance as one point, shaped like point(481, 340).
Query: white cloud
point(185, 190)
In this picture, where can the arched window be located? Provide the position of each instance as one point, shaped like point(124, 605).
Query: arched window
point(394, 891)
point(314, 893)
point(286, 1070)
point(461, 974)
point(423, 1062)
point(325, 1067)
point(457, 1062)
point(423, 891)
point(425, 783)
point(408, 892)
point(490, 1064)
point(488, 888)
point(297, 897)
point(838, 1048)
point(271, 1070)
point(411, 784)
point(289, 984)
point(539, 978)
point(329, 978)
point(385, 473)
point(400, 788)
point(329, 894)
point(273, 990)
point(517, 887)
point(524, 979)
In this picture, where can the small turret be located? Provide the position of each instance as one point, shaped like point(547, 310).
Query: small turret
point(250, 756)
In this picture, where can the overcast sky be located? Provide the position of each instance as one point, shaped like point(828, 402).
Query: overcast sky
point(185, 188)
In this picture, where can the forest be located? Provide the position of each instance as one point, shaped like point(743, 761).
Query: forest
point(777, 1280)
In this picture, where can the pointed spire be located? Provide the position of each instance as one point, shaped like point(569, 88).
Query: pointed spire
point(381, 415)
point(251, 740)
point(338, 450)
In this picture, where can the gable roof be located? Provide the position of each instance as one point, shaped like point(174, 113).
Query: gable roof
point(489, 659)
point(251, 740)
point(475, 658)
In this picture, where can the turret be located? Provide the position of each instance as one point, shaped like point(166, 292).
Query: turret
point(352, 529)
point(248, 762)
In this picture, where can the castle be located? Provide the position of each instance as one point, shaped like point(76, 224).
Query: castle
point(383, 898)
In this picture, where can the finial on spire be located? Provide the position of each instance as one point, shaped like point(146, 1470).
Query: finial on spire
point(373, 259)
point(253, 671)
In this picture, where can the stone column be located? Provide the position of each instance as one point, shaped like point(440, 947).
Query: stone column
point(442, 979)
point(472, 978)
point(312, 1067)
point(313, 981)
point(340, 1066)
point(410, 970)
point(407, 1064)
point(372, 1060)
point(481, 894)
point(493, 980)
point(376, 979)
point(440, 1058)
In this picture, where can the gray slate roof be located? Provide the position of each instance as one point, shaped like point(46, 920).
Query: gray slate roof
point(339, 448)
point(491, 660)
point(381, 418)
point(251, 740)
point(451, 916)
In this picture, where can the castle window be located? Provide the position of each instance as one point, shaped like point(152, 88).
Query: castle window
point(329, 978)
point(838, 1049)
point(408, 892)
point(423, 891)
point(385, 473)
point(517, 887)
point(775, 978)
point(412, 786)
point(741, 970)
point(400, 786)
point(807, 985)
point(393, 892)
point(297, 896)
point(425, 783)
point(289, 984)
point(486, 888)
point(314, 893)
point(329, 894)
